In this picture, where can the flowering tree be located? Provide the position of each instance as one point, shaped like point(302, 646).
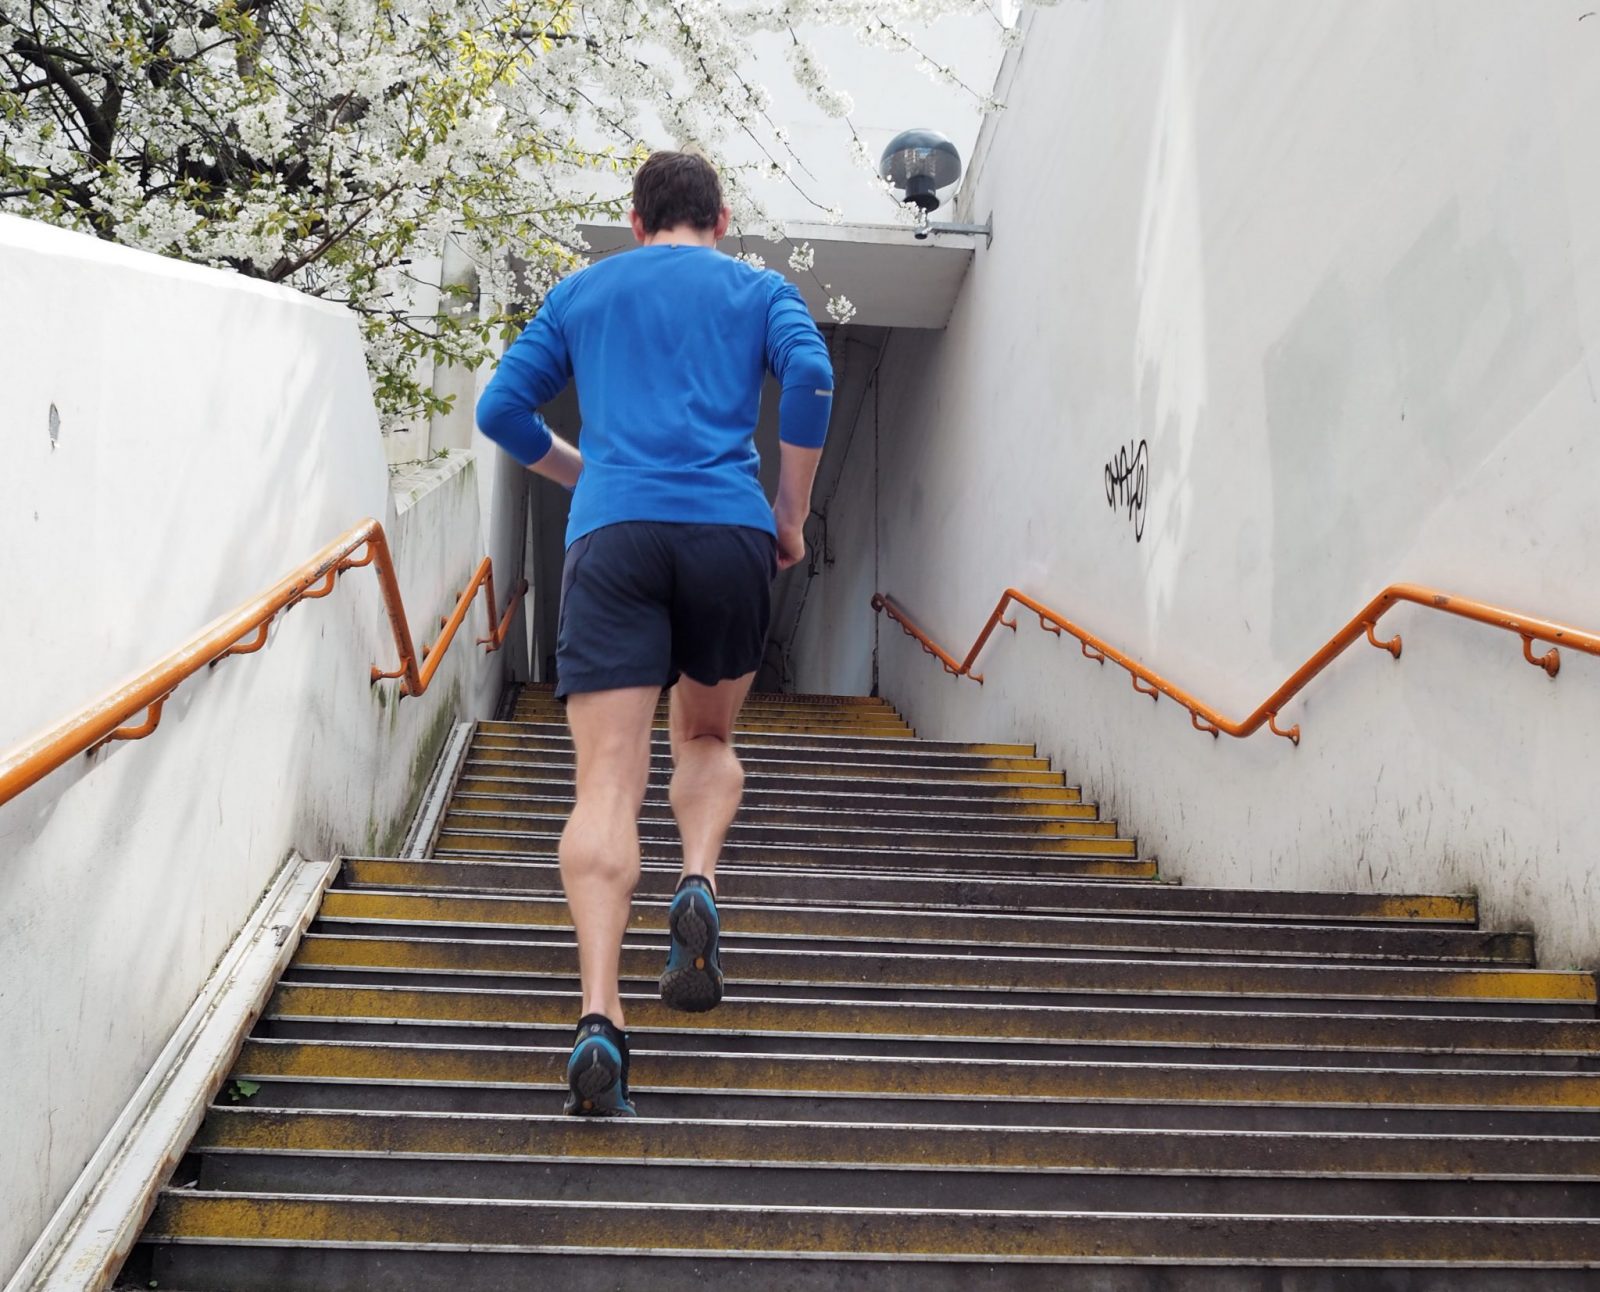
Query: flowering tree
point(333, 144)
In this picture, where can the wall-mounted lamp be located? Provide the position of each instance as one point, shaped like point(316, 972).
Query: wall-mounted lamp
point(919, 163)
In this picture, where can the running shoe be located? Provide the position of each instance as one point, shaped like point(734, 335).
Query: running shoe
point(692, 981)
point(597, 1072)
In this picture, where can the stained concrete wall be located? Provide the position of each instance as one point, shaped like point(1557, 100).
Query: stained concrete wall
point(1331, 274)
point(174, 440)
point(820, 641)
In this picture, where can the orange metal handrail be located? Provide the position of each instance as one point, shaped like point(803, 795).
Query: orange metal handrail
point(102, 720)
point(1203, 716)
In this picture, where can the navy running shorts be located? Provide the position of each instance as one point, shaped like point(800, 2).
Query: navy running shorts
point(645, 602)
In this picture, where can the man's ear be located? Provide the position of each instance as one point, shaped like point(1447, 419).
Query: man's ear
point(724, 218)
point(637, 221)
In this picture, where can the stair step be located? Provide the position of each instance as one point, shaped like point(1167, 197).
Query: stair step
point(909, 1234)
point(762, 791)
point(892, 1049)
point(1113, 858)
point(914, 753)
point(533, 692)
point(999, 815)
point(1145, 1111)
point(336, 1268)
point(1576, 1094)
point(1169, 1031)
point(559, 735)
point(881, 728)
point(754, 713)
point(820, 887)
point(562, 1139)
point(741, 923)
point(1064, 838)
point(754, 704)
point(1222, 1190)
point(546, 766)
point(808, 967)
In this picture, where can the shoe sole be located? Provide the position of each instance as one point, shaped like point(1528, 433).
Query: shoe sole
point(594, 1082)
point(695, 986)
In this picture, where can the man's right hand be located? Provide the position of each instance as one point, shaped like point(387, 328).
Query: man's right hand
point(792, 506)
point(791, 545)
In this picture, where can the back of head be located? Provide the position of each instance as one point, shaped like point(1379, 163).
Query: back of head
point(677, 188)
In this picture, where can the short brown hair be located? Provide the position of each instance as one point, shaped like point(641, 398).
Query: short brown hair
point(673, 188)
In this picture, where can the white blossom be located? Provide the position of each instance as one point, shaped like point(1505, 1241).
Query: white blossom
point(334, 146)
point(811, 77)
point(752, 259)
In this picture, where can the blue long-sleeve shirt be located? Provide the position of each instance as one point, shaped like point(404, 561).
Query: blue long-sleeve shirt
point(669, 346)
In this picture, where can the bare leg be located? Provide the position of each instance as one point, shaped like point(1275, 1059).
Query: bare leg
point(707, 780)
point(600, 844)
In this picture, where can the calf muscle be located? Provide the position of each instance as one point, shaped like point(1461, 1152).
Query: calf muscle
point(600, 845)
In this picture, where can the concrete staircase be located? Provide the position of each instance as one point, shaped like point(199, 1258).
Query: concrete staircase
point(970, 1039)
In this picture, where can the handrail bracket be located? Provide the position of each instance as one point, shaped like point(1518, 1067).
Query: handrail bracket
point(247, 648)
point(1550, 661)
point(1392, 645)
point(152, 720)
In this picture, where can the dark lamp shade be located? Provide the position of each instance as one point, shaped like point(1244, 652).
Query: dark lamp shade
point(919, 163)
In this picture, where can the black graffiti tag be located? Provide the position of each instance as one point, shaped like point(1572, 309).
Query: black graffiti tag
point(1127, 483)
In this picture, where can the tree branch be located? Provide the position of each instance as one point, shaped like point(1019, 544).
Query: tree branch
point(100, 132)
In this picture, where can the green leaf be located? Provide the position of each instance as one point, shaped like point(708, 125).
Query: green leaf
point(241, 1090)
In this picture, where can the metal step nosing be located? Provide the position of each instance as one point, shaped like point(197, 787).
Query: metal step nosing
point(1001, 990)
point(1164, 1218)
point(969, 1038)
point(886, 906)
point(231, 1125)
point(1584, 1034)
point(468, 822)
point(914, 748)
point(1244, 997)
point(1046, 903)
point(866, 1063)
point(848, 772)
point(980, 921)
point(825, 850)
point(732, 942)
point(1467, 1174)
point(803, 792)
point(555, 1087)
point(909, 842)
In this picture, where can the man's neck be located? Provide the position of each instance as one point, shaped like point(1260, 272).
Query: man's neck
point(682, 235)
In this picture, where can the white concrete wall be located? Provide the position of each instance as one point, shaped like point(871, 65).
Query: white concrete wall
point(210, 434)
point(1339, 266)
